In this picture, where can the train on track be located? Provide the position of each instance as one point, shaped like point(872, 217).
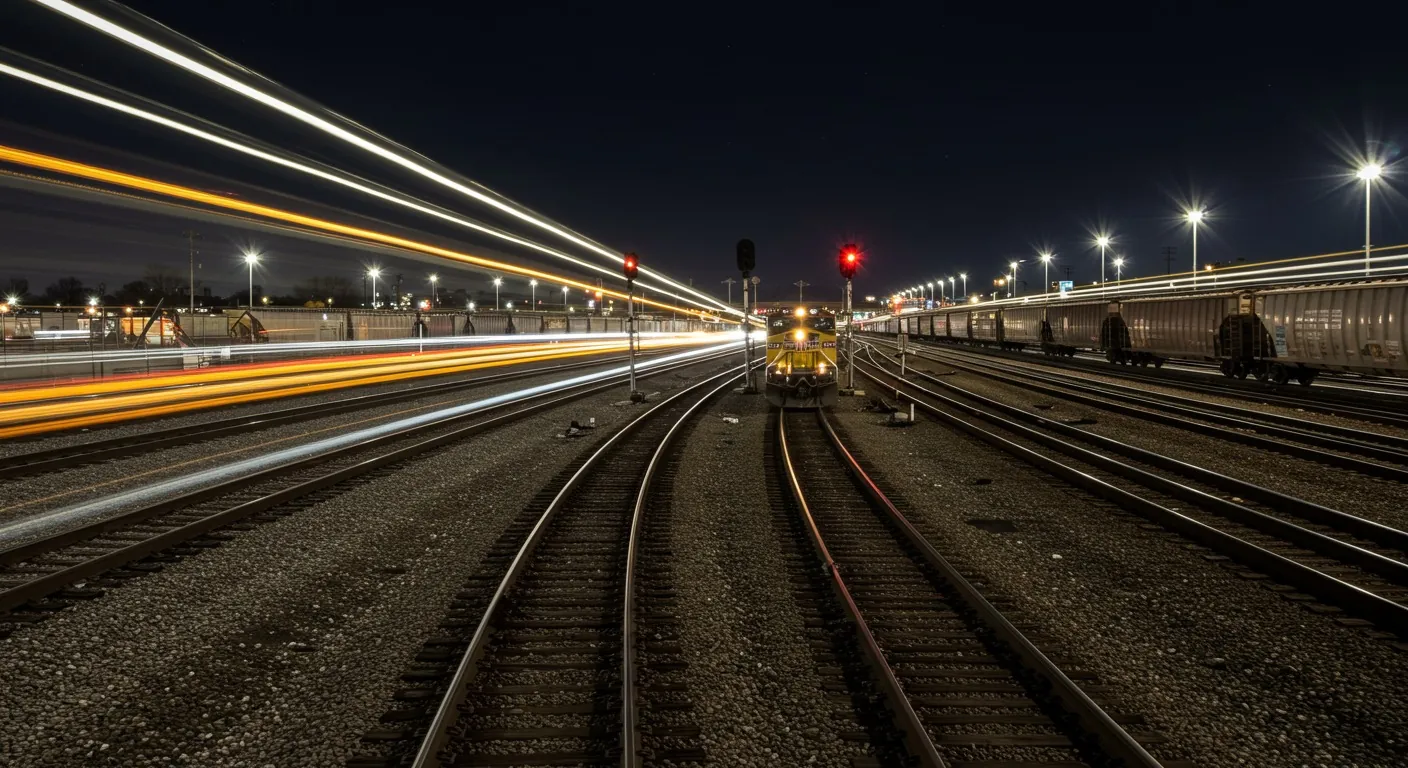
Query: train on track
point(801, 359)
point(1275, 334)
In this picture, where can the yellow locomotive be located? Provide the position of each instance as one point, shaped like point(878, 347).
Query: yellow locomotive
point(801, 369)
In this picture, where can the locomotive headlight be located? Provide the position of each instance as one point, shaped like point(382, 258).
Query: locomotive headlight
point(800, 335)
point(821, 369)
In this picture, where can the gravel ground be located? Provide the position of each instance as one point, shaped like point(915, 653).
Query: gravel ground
point(1232, 674)
point(31, 495)
point(1326, 485)
point(282, 647)
point(43, 442)
point(758, 698)
point(1309, 417)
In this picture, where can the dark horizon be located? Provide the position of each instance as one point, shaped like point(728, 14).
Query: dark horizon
point(948, 142)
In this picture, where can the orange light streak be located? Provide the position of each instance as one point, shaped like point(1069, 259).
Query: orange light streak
point(38, 419)
point(94, 173)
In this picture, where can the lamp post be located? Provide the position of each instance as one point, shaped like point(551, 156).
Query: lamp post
point(1104, 242)
point(964, 277)
point(1368, 173)
point(498, 281)
point(951, 295)
point(1119, 270)
point(1012, 286)
point(374, 272)
point(434, 290)
point(1046, 257)
point(1195, 217)
point(251, 259)
point(564, 298)
point(533, 288)
point(931, 292)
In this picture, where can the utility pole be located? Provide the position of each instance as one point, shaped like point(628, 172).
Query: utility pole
point(747, 260)
point(191, 237)
point(800, 285)
point(729, 282)
point(1169, 253)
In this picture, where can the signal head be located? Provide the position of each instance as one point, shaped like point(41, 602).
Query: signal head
point(630, 265)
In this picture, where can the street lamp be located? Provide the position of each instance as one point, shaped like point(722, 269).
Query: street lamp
point(434, 290)
point(1119, 269)
point(1046, 257)
point(533, 288)
point(510, 306)
point(1104, 242)
point(471, 306)
point(950, 287)
point(251, 258)
point(1195, 217)
point(498, 281)
point(374, 273)
point(1368, 173)
point(1012, 286)
point(964, 277)
point(564, 298)
point(931, 291)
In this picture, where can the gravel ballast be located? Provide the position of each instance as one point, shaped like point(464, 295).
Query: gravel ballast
point(283, 646)
point(758, 699)
point(1228, 670)
point(1313, 481)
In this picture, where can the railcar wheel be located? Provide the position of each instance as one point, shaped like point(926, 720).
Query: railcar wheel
point(1305, 377)
point(1228, 368)
point(1280, 374)
point(1158, 362)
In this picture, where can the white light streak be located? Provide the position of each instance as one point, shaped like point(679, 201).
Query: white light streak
point(229, 83)
point(46, 521)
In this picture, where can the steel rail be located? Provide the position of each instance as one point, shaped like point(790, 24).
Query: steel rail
point(1398, 473)
point(1343, 521)
point(1324, 435)
point(907, 721)
point(438, 734)
point(1113, 739)
point(55, 581)
point(1389, 614)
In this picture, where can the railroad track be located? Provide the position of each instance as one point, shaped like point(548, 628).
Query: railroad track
point(114, 448)
point(1345, 562)
point(1367, 452)
point(1375, 409)
point(51, 572)
point(574, 647)
point(961, 683)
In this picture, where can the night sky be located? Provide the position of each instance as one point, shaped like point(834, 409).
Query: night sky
point(943, 140)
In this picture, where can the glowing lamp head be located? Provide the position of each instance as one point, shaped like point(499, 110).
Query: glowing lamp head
point(1013, 265)
point(92, 302)
point(800, 335)
point(801, 312)
point(434, 279)
point(1119, 261)
point(931, 285)
point(1370, 172)
point(374, 272)
point(1102, 241)
point(1046, 257)
point(533, 283)
point(251, 258)
point(1195, 216)
point(498, 281)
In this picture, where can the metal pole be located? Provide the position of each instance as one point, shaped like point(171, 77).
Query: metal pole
point(1195, 255)
point(850, 340)
point(746, 335)
point(251, 290)
point(1368, 185)
point(631, 330)
point(1102, 264)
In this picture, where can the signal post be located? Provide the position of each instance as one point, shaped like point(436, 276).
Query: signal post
point(849, 261)
point(630, 265)
point(747, 259)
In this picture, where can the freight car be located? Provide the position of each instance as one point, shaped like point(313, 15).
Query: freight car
point(1276, 334)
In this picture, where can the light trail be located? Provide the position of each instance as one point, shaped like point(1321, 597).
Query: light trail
point(37, 524)
point(21, 361)
point(25, 420)
point(165, 53)
point(130, 181)
point(311, 169)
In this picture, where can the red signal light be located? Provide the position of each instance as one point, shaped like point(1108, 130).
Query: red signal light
point(630, 265)
point(850, 259)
